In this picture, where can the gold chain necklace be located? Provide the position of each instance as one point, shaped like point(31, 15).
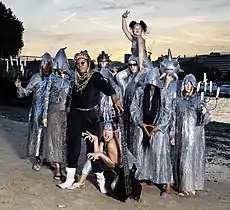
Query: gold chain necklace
point(81, 81)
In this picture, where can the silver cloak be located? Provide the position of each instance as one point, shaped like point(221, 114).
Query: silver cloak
point(155, 161)
point(38, 85)
point(190, 141)
point(55, 133)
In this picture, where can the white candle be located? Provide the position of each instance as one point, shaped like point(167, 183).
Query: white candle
point(11, 61)
point(198, 87)
point(17, 62)
point(202, 96)
point(7, 65)
point(218, 92)
point(25, 63)
point(22, 70)
point(205, 86)
point(210, 87)
point(205, 77)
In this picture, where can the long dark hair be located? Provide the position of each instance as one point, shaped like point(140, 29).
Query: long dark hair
point(150, 111)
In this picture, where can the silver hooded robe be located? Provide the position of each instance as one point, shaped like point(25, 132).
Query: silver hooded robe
point(38, 85)
point(155, 160)
point(129, 82)
point(190, 140)
point(55, 135)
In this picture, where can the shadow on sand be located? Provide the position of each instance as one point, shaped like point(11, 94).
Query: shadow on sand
point(218, 143)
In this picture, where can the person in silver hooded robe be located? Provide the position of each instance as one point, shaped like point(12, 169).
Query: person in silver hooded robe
point(151, 112)
point(190, 117)
point(54, 117)
point(38, 85)
point(129, 80)
point(106, 104)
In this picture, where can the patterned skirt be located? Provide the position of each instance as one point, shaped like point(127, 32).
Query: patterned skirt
point(55, 137)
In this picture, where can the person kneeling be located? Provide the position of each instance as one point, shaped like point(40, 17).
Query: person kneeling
point(106, 155)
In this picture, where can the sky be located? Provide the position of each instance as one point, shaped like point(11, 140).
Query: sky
point(188, 27)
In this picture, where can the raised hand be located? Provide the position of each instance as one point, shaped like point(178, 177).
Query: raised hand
point(126, 14)
point(18, 83)
point(88, 136)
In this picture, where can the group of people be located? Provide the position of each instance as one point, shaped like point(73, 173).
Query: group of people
point(163, 118)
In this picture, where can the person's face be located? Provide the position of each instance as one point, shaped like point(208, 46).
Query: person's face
point(82, 65)
point(137, 30)
point(108, 133)
point(46, 68)
point(103, 64)
point(188, 87)
point(133, 66)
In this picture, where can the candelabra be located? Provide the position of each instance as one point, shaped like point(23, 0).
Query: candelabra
point(206, 98)
point(19, 67)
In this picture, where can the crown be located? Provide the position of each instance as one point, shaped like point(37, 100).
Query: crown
point(83, 54)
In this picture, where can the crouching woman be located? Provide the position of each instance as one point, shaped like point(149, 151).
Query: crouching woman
point(105, 156)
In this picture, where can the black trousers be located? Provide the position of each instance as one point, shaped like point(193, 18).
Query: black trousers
point(78, 122)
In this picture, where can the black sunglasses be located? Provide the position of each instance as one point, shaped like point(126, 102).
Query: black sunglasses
point(132, 64)
point(80, 63)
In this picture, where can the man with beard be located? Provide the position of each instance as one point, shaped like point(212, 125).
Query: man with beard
point(83, 103)
point(38, 85)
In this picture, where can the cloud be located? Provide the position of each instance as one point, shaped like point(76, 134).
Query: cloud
point(113, 6)
point(67, 18)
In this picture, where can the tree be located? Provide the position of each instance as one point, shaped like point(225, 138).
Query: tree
point(11, 33)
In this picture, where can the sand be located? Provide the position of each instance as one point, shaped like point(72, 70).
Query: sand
point(23, 189)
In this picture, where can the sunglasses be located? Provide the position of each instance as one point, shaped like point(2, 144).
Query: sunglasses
point(132, 64)
point(81, 63)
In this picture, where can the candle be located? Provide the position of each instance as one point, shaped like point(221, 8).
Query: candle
point(202, 96)
point(218, 92)
point(205, 86)
point(205, 77)
point(210, 87)
point(198, 87)
point(16, 62)
point(11, 61)
point(7, 65)
point(25, 63)
point(22, 70)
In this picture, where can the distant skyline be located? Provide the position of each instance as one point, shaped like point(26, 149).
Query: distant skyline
point(186, 26)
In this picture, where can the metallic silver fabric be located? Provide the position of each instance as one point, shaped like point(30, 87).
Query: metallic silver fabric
point(190, 143)
point(129, 125)
point(55, 133)
point(155, 161)
point(38, 85)
point(61, 61)
point(106, 104)
point(170, 66)
point(153, 78)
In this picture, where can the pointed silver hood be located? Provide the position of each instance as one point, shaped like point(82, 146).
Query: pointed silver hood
point(153, 77)
point(61, 62)
point(46, 58)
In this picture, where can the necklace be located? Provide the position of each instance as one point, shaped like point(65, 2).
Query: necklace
point(81, 81)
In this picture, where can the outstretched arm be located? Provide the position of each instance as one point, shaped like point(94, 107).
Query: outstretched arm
point(23, 92)
point(125, 27)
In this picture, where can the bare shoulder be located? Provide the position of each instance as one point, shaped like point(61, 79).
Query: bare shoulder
point(112, 145)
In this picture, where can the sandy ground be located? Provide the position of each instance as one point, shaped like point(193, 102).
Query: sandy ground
point(23, 189)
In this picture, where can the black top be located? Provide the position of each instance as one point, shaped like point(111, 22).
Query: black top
point(89, 97)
